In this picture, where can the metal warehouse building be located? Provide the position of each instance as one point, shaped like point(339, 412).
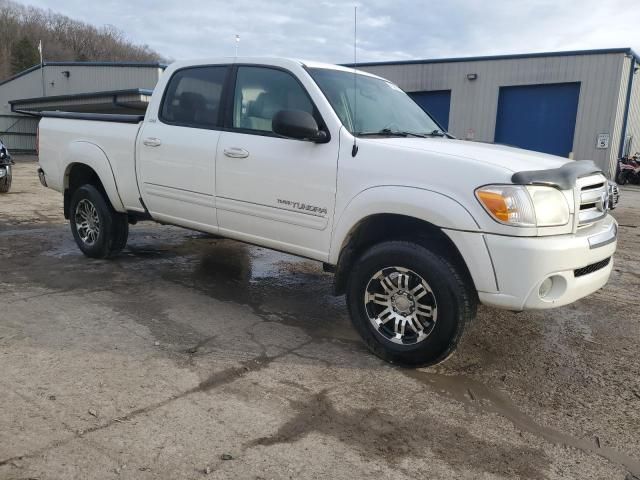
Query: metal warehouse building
point(580, 104)
point(103, 87)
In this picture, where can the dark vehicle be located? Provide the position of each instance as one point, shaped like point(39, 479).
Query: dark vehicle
point(5, 169)
point(629, 170)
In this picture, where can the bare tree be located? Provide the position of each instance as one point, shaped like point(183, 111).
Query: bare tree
point(63, 38)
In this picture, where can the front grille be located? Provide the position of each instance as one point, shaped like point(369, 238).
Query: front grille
point(593, 200)
point(614, 195)
point(594, 267)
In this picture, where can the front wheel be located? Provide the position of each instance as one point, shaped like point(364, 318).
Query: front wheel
point(5, 180)
point(409, 303)
point(99, 231)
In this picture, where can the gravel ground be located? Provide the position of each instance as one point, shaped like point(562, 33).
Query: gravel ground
point(191, 356)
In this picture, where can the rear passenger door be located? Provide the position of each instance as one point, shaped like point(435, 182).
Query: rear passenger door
point(176, 150)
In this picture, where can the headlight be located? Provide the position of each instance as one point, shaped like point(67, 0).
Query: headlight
point(524, 206)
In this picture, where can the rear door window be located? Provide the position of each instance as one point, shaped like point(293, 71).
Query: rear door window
point(193, 97)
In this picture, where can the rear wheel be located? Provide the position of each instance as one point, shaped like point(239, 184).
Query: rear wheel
point(410, 304)
point(99, 231)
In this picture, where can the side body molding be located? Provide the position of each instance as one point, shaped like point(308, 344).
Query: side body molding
point(433, 207)
point(89, 154)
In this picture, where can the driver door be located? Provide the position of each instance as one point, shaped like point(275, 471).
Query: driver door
point(271, 190)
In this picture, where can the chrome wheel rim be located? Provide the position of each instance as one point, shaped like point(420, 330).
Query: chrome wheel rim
point(400, 305)
point(87, 222)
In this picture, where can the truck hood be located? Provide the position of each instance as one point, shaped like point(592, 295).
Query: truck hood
point(509, 158)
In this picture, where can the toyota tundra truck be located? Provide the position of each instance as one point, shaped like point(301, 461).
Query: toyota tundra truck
point(340, 166)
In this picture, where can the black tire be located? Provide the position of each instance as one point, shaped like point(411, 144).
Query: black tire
point(5, 183)
point(113, 227)
point(454, 295)
point(622, 178)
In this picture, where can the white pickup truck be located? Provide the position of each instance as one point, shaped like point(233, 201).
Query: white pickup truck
point(344, 168)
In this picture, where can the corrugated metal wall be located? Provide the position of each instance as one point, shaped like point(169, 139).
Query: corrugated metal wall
point(620, 115)
point(18, 132)
point(474, 103)
point(82, 79)
point(633, 119)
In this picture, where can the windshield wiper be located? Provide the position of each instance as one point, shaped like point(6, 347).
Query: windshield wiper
point(387, 132)
point(436, 133)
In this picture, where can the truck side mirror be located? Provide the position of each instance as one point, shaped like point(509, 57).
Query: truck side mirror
point(299, 125)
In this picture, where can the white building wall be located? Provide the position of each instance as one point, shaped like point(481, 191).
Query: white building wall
point(474, 103)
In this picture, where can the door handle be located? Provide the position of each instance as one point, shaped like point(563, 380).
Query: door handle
point(152, 142)
point(235, 152)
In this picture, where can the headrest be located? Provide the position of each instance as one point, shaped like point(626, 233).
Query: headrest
point(265, 106)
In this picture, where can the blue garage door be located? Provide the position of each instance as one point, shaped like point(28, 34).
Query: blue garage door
point(436, 103)
point(538, 117)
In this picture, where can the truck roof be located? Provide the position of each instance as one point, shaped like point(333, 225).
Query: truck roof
point(270, 61)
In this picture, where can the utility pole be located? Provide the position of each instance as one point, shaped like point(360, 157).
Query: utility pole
point(44, 93)
point(237, 42)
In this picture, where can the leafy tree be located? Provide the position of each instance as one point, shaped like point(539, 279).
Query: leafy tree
point(23, 55)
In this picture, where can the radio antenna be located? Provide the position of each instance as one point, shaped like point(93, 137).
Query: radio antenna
point(354, 149)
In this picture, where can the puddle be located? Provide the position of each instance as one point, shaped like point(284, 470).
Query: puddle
point(276, 286)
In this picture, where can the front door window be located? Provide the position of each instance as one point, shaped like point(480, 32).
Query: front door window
point(261, 93)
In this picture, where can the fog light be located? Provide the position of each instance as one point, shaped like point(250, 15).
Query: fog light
point(545, 288)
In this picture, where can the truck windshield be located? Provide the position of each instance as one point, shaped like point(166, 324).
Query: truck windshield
point(378, 108)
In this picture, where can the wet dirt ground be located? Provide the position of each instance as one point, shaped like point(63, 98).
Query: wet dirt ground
point(197, 357)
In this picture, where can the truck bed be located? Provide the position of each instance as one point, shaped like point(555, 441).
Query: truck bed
point(71, 137)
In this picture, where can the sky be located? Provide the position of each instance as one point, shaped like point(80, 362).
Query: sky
point(386, 29)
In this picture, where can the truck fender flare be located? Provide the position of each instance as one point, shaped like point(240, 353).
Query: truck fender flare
point(91, 155)
point(433, 207)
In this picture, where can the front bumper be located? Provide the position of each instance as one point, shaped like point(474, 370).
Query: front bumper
point(577, 264)
point(5, 166)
